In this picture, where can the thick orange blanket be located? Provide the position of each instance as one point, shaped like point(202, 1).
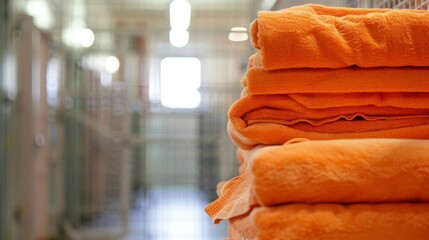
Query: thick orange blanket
point(257, 81)
point(335, 222)
point(329, 171)
point(275, 119)
point(318, 36)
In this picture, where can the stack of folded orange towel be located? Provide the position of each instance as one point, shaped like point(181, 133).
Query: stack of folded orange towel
point(332, 128)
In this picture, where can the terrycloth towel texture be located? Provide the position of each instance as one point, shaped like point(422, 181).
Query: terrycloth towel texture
point(275, 119)
point(233, 234)
point(234, 199)
point(317, 36)
point(340, 171)
point(257, 81)
point(325, 75)
point(335, 222)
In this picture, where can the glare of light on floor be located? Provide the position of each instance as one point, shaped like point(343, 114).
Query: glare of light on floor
point(178, 218)
point(52, 76)
point(105, 79)
point(186, 225)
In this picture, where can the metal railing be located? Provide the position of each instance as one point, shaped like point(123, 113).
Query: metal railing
point(396, 4)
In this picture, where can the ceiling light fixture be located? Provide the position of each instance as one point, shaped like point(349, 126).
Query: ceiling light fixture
point(87, 37)
point(238, 34)
point(179, 38)
point(180, 14)
point(180, 19)
point(41, 13)
point(112, 64)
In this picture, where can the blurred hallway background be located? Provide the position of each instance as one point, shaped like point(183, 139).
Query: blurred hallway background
point(113, 116)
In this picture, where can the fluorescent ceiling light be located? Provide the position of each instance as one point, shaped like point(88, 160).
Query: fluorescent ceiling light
point(70, 37)
point(86, 37)
point(180, 14)
point(238, 34)
point(105, 79)
point(238, 29)
point(179, 38)
point(41, 13)
point(101, 63)
point(72, 34)
point(112, 64)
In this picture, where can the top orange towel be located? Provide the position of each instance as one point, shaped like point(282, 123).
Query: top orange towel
point(317, 36)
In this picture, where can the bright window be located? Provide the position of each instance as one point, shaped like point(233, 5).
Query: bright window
point(180, 80)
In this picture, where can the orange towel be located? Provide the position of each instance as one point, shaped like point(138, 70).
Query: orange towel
point(234, 199)
point(275, 119)
point(360, 170)
point(342, 171)
point(257, 81)
point(330, 37)
point(233, 234)
point(336, 222)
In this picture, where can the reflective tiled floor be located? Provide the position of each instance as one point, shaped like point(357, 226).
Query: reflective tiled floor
point(173, 214)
